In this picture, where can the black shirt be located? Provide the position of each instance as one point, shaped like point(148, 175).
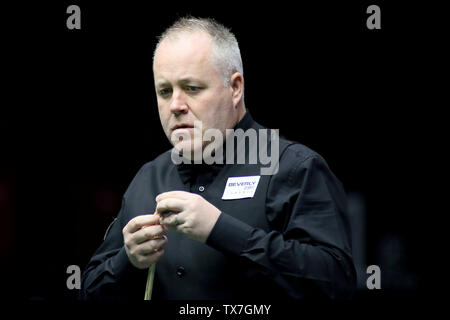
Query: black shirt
point(290, 240)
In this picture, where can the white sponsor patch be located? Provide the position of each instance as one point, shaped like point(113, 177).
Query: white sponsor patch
point(240, 187)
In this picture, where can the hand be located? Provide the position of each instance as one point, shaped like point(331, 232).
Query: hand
point(187, 213)
point(144, 239)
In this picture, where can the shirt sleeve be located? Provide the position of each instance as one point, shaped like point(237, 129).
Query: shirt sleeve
point(308, 249)
point(109, 274)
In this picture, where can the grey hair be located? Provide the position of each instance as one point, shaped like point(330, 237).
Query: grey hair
point(226, 53)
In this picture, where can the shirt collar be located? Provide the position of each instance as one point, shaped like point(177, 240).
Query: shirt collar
point(246, 122)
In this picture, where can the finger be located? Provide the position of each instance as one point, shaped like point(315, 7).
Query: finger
point(170, 205)
point(147, 233)
point(140, 221)
point(152, 246)
point(172, 220)
point(151, 258)
point(183, 195)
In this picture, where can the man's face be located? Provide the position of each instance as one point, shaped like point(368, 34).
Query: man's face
point(190, 88)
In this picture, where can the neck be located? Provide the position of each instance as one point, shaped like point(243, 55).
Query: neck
point(241, 113)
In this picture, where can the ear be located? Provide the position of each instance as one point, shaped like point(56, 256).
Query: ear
point(237, 88)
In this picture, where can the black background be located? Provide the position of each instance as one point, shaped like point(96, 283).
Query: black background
point(79, 117)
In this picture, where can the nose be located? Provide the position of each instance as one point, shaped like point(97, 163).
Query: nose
point(178, 103)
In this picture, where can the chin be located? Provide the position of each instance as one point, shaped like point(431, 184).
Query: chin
point(186, 149)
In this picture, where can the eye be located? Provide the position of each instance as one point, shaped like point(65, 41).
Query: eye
point(192, 89)
point(164, 92)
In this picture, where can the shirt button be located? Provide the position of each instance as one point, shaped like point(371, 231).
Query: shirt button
point(201, 188)
point(180, 272)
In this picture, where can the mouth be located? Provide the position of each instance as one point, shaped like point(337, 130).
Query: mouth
point(182, 126)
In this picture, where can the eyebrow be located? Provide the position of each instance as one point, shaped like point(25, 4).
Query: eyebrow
point(187, 80)
point(161, 83)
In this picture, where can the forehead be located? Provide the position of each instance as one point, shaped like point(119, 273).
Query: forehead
point(185, 52)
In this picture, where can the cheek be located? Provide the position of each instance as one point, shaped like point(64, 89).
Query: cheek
point(164, 117)
point(215, 109)
point(223, 113)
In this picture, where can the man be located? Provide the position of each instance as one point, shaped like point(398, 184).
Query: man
point(222, 230)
